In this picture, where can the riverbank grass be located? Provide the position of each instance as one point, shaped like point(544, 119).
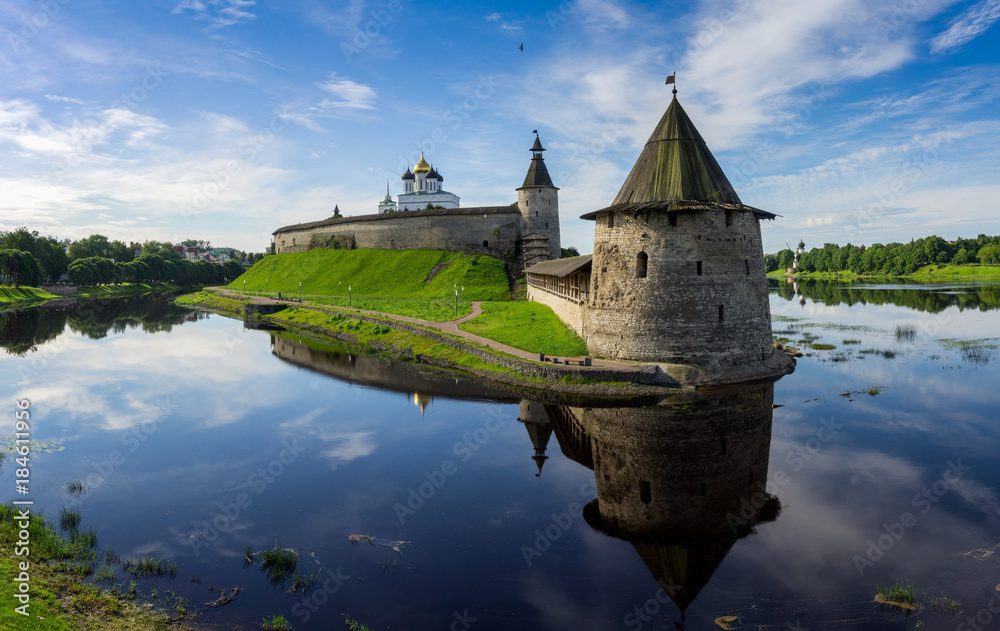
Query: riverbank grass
point(528, 326)
point(61, 600)
point(24, 296)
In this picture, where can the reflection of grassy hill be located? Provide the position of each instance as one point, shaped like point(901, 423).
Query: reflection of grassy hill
point(390, 273)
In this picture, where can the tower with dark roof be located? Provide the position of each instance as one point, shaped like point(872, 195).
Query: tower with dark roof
point(678, 265)
point(538, 201)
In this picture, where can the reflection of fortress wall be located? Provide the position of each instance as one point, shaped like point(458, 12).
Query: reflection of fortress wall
point(682, 484)
point(382, 373)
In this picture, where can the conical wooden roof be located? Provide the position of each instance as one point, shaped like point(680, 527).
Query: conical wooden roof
point(676, 165)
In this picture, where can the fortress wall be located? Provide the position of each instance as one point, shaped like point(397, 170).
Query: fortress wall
point(400, 231)
point(672, 314)
point(569, 311)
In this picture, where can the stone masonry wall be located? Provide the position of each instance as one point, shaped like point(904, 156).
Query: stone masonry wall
point(569, 311)
point(494, 234)
point(673, 313)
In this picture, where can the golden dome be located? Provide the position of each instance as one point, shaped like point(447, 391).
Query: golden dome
point(422, 166)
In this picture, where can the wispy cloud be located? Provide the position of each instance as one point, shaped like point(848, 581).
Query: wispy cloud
point(967, 26)
point(219, 13)
point(347, 94)
point(493, 17)
point(67, 99)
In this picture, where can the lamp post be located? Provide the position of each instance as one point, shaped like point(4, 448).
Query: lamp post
point(348, 295)
point(265, 285)
point(300, 291)
point(244, 287)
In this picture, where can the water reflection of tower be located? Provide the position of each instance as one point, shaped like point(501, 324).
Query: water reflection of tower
point(536, 421)
point(681, 483)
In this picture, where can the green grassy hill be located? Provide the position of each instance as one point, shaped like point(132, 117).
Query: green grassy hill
point(389, 273)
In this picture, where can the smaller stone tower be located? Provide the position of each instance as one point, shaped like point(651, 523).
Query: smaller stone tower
point(538, 201)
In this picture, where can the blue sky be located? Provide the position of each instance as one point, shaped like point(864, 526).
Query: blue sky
point(856, 120)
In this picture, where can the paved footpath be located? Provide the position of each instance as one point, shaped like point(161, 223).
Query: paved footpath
point(449, 326)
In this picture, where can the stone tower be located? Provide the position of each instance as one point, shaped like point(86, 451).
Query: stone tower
point(538, 201)
point(678, 267)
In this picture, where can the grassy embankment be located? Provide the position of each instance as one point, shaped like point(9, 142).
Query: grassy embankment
point(944, 272)
point(529, 326)
point(60, 600)
point(24, 296)
point(414, 283)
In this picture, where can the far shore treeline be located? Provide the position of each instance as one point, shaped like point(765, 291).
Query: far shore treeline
point(28, 260)
point(893, 259)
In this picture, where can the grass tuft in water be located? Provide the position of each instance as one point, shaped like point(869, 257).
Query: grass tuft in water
point(69, 518)
point(354, 625)
point(75, 487)
point(906, 333)
point(275, 623)
point(897, 592)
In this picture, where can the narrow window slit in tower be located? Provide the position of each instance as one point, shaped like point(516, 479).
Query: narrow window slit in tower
point(703, 490)
point(699, 268)
point(645, 493)
point(721, 312)
point(729, 217)
point(641, 261)
point(723, 445)
point(672, 218)
point(746, 262)
point(486, 244)
point(611, 220)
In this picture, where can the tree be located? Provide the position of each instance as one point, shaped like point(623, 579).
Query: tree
point(162, 249)
point(197, 243)
point(961, 257)
point(569, 252)
point(94, 245)
point(18, 267)
point(786, 258)
point(989, 254)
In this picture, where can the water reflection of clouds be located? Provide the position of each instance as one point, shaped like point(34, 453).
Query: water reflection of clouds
point(346, 445)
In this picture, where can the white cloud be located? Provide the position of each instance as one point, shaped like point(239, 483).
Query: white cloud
point(347, 95)
point(966, 27)
point(219, 12)
point(493, 17)
point(67, 99)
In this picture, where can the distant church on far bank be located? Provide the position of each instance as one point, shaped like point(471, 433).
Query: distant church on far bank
point(425, 216)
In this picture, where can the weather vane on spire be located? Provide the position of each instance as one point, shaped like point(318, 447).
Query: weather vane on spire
point(672, 79)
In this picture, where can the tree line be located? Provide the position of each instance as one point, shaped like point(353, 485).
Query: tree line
point(895, 259)
point(29, 259)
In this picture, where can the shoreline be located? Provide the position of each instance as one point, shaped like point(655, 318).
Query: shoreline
point(410, 341)
point(31, 297)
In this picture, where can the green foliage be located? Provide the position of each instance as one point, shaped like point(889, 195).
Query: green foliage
point(528, 326)
point(18, 267)
point(990, 255)
point(378, 273)
point(569, 252)
point(275, 623)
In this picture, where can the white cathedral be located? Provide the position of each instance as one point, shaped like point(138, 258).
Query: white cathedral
point(422, 186)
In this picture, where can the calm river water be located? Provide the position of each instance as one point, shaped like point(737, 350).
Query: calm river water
point(783, 505)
